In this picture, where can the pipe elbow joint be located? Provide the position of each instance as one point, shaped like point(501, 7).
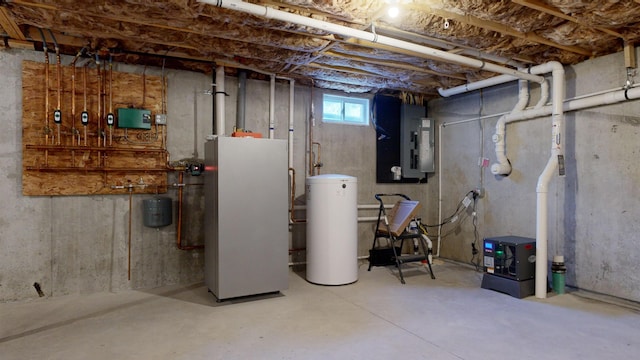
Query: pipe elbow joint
point(501, 169)
point(443, 92)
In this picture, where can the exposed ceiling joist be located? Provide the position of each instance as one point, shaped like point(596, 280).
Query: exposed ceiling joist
point(192, 35)
point(499, 28)
point(394, 64)
point(10, 26)
point(548, 9)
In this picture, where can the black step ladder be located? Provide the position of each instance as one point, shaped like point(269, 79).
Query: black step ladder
point(393, 228)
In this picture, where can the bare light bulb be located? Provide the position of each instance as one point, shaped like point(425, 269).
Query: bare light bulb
point(393, 11)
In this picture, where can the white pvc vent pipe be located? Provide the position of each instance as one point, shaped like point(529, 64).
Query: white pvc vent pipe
point(503, 167)
point(270, 13)
point(557, 110)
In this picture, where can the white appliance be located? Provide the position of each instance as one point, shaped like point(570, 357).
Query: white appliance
point(332, 229)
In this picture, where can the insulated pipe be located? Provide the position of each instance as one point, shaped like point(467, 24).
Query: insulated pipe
point(242, 100)
point(219, 100)
point(445, 56)
point(272, 106)
point(291, 104)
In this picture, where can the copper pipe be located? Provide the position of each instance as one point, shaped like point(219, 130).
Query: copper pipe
point(73, 100)
point(104, 105)
point(110, 99)
point(46, 95)
point(129, 250)
point(293, 195)
point(311, 124)
point(318, 164)
point(179, 228)
point(99, 103)
point(99, 128)
point(73, 106)
point(84, 83)
point(58, 81)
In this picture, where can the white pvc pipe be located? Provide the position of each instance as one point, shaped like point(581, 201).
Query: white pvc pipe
point(272, 106)
point(481, 84)
point(219, 99)
point(557, 118)
point(360, 207)
point(291, 105)
point(502, 166)
point(605, 97)
point(542, 190)
point(367, 218)
point(271, 13)
point(544, 95)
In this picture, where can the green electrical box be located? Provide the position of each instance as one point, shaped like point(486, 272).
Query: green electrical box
point(134, 118)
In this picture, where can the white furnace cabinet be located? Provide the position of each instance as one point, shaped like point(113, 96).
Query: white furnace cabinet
point(246, 216)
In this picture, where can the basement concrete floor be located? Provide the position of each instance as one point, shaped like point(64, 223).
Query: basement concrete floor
point(375, 318)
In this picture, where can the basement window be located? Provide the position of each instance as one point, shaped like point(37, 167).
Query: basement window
point(345, 110)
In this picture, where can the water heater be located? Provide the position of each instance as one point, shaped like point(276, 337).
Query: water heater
point(332, 229)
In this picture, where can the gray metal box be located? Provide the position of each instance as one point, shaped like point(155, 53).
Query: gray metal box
point(247, 226)
point(416, 142)
point(512, 257)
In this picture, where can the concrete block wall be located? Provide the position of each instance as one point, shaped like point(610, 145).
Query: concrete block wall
point(593, 210)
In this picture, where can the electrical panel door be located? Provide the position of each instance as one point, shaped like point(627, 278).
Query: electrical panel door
point(417, 142)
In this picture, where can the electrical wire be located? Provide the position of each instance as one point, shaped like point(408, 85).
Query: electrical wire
point(476, 237)
point(459, 210)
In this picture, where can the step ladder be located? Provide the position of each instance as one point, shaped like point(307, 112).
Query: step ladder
point(393, 227)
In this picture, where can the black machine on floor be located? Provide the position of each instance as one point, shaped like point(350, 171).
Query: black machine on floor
point(393, 228)
point(509, 265)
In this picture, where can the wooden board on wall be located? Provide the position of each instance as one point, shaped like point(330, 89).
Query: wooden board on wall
point(108, 158)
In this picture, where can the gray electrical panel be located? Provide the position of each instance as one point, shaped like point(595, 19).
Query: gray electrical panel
point(247, 229)
point(417, 142)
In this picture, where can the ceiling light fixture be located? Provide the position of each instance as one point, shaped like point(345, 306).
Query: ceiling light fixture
point(393, 11)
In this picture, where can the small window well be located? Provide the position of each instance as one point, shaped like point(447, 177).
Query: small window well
point(345, 110)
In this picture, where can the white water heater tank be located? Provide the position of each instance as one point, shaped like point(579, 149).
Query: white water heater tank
point(332, 229)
